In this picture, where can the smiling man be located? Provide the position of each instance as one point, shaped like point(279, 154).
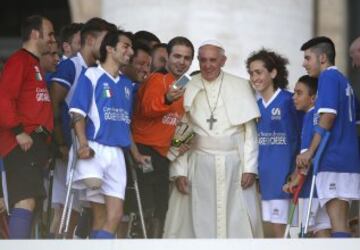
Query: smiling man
point(215, 195)
point(159, 108)
point(104, 97)
point(26, 122)
point(139, 67)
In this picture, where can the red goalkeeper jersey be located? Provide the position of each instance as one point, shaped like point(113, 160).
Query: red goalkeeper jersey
point(24, 98)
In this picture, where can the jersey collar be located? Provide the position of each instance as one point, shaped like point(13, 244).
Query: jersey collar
point(109, 75)
point(310, 109)
point(82, 61)
point(331, 67)
point(31, 54)
point(266, 104)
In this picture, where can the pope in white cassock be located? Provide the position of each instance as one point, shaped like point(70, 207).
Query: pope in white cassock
point(214, 193)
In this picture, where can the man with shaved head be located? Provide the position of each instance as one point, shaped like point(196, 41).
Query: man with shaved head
point(215, 194)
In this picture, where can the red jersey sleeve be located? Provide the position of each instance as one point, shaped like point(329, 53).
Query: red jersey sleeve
point(11, 81)
point(153, 100)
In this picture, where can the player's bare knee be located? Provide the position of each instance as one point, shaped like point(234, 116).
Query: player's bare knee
point(93, 183)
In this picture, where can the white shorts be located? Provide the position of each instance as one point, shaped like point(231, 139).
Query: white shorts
point(343, 186)
point(319, 219)
point(277, 211)
point(108, 165)
point(59, 187)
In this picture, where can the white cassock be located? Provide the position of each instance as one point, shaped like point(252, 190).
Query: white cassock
point(217, 206)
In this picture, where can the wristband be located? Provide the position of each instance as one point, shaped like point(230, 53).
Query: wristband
point(18, 129)
point(319, 130)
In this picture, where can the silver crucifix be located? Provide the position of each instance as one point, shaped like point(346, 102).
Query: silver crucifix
point(211, 121)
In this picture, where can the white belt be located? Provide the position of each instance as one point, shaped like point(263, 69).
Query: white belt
point(220, 143)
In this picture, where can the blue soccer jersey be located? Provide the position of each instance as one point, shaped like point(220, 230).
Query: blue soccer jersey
point(335, 95)
point(67, 74)
point(278, 143)
point(307, 134)
point(107, 104)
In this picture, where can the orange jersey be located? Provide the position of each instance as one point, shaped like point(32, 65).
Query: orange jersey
point(154, 121)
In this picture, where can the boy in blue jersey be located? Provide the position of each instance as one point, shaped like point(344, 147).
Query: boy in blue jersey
point(104, 98)
point(62, 87)
point(338, 178)
point(278, 134)
point(304, 100)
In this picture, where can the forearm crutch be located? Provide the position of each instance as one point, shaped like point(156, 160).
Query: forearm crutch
point(66, 214)
point(316, 162)
point(49, 200)
point(294, 203)
point(132, 167)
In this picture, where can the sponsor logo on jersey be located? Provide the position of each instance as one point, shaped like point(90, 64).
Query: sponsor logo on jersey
point(42, 95)
point(276, 212)
point(170, 119)
point(107, 91)
point(273, 138)
point(116, 114)
point(127, 92)
point(275, 114)
point(332, 186)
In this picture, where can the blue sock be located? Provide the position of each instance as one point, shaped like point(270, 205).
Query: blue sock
point(93, 234)
point(340, 235)
point(20, 223)
point(102, 234)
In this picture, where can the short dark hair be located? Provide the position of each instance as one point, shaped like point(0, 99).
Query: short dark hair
point(310, 82)
point(94, 25)
point(180, 40)
point(68, 31)
point(321, 45)
point(31, 23)
point(146, 37)
point(111, 39)
point(157, 46)
point(272, 61)
point(137, 46)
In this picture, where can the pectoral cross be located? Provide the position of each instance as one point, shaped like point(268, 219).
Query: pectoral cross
point(211, 121)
